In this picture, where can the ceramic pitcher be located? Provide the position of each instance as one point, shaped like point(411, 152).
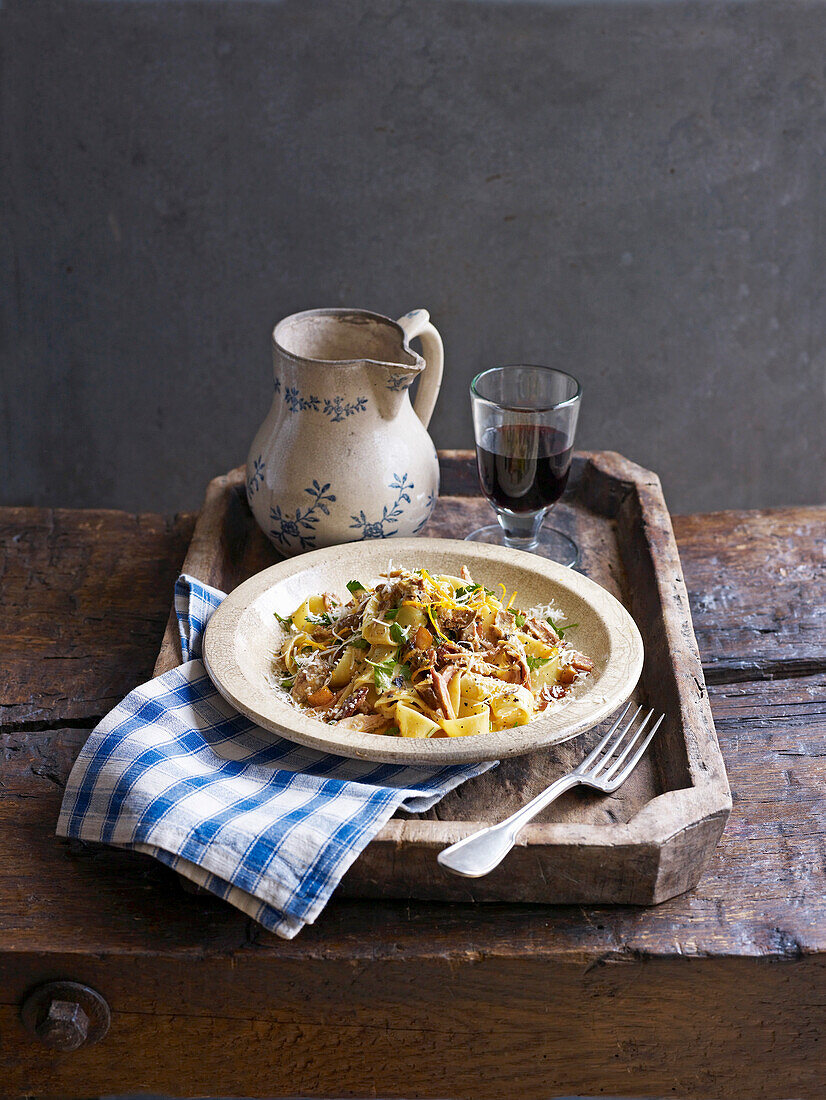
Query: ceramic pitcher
point(343, 455)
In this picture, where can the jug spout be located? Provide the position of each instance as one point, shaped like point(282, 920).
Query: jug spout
point(396, 376)
point(390, 382)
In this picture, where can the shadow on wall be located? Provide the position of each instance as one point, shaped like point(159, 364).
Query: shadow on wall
point(630, 191)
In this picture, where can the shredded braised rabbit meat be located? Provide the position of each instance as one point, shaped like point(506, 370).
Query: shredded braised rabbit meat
point(423, 656)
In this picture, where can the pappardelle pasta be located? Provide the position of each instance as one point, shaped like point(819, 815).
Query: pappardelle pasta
point(425, 656)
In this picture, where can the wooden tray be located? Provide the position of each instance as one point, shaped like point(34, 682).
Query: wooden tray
point(642, 845)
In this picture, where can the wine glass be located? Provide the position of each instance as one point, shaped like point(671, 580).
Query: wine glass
point(524, 419)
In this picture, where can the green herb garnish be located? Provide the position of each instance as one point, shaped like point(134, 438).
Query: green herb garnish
point(324, 619)
point(536, 662)
point(383, 674)
point(359, 643)
point(560, 630)
point(288, 683)
point(467, 589)
point(399, 634)
point(391, 613)
point(288, 622)
point(392, 731)
point(520, 619)
point(355, 586)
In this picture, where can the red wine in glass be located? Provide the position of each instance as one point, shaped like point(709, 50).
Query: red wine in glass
point(524, 421)
point(523, 467)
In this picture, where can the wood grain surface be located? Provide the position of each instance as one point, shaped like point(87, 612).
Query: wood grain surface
point(483, 1028)
point(717, 993)
point(737, 558)
point(62, 656)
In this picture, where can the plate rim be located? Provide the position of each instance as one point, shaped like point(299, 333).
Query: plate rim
point(225, 671)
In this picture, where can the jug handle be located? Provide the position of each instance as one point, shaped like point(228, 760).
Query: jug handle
point(417, 323)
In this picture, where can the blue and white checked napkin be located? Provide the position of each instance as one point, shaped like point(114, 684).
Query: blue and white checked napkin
point(270, 826)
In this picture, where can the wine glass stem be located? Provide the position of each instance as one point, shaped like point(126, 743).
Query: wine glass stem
point(521, 529)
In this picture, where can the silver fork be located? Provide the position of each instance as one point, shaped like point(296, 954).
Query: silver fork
point(601, 769)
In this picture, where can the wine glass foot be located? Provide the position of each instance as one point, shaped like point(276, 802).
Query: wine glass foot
point(551, 544)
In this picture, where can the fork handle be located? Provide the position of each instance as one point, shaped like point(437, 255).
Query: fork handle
point(479, 853)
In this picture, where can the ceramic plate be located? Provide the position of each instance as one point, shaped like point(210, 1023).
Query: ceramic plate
point(243, 635)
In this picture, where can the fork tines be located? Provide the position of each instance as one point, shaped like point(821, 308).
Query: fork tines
point(603, 764)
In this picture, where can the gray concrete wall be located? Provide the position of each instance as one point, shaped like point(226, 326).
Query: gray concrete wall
point(633, 191)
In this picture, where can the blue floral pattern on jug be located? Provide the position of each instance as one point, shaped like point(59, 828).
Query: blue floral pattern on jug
point(377, 529)
point(431, 504)
point(256, 478)
point(297, 403)
point(302, 525)
point(336, 408)
point(399, 382)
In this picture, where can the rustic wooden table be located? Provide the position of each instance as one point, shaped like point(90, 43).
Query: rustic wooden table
point(718, 993)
